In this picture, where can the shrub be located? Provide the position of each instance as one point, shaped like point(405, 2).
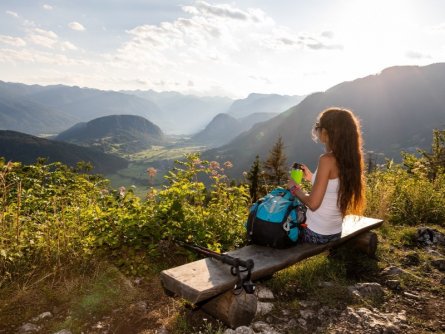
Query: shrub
point(187, 211)
point(51, 214)
point(411, 193)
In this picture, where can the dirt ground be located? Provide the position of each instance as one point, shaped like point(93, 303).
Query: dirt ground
point(151, 311)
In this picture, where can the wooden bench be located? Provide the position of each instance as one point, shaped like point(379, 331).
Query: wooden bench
point(210, 283)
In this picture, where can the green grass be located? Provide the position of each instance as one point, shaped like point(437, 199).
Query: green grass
point(135, 175)
point(304, 280)
point(165, 153)
point(105, 292)
point(85, 292)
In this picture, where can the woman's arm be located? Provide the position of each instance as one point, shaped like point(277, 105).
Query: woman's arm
point(314, 199)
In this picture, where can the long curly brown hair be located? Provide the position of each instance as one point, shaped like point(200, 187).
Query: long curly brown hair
point(345, 141)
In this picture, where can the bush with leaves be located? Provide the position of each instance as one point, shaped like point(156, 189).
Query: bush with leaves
point(186, 210)
point(41, 213)
point(51, 214)
point(411, 193)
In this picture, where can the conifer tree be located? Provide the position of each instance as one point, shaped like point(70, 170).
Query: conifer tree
point(275, 167)
point(435, 161)
point(253, 176)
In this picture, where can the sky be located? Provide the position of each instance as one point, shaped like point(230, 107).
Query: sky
point(215, 48)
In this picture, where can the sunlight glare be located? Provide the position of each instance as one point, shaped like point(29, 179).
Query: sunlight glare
point(375, 32)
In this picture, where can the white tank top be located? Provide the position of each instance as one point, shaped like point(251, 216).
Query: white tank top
point(327, 219)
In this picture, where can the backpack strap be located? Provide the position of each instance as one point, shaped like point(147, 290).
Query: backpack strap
point(251, 219)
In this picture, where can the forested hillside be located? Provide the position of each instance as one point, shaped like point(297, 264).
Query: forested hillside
point(116, 133)
point(27, 149)
point(397, 107)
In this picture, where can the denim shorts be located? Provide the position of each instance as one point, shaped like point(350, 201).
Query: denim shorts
point(315, 238)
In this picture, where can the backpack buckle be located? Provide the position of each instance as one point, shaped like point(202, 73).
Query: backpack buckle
point(286, 226)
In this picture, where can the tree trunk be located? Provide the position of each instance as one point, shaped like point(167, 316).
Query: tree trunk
point(233, 309)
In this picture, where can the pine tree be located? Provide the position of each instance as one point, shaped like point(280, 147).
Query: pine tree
point(275, 167)
point(253, 176)
point(435, 161)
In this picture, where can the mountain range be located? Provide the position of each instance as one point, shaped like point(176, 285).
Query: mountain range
point(49, 110)
point(38, 110)
point(224, 127)
point(398, 109)
point(184, 114)
point(263, 103)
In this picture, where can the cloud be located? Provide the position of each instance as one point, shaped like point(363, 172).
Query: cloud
point(327, 34)
point(45, 38)
point(440, 28)
point(416, 55)
point(48, 39)
point(225, 11)
point(211, 30)
point(13, 41)
point(282, 38)
point(67, 46)
point(47, 7)
point(76, 26)
point(41, 57)
point(11, 13)
point(261, 79)
point(220, 10)
point(219, 40)
point(318, 45)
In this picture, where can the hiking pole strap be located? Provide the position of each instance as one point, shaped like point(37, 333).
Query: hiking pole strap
point(235, 263)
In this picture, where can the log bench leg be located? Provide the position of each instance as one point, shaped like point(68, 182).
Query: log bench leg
point(365, 243)
point(233, 309)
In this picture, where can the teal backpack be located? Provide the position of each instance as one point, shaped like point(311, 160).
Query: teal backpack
point(276, 220)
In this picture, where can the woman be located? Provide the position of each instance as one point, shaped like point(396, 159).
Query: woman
point(338, 183)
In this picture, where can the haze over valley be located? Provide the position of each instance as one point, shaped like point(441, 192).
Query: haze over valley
point(399, 108)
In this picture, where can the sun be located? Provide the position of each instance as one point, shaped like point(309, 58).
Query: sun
point(374, 34)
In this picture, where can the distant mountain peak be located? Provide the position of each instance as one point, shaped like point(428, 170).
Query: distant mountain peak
point(131, 133)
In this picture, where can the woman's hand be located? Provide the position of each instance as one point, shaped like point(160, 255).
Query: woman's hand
point(307, 174)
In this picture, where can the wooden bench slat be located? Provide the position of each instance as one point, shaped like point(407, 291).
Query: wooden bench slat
point(203, 279)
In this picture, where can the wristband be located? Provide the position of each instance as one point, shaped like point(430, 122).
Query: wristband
point(294, 188)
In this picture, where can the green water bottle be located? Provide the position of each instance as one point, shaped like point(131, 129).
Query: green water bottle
point(296, 173)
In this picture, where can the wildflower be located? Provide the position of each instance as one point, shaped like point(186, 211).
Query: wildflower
point(104, 192)
point(122, 192)
point(151, 194)
point(228, 164)
point(214, 164)
point(152, 172)
point(196, 161)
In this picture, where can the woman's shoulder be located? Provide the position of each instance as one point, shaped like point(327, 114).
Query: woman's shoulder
point(327, 158)
point(328, 163)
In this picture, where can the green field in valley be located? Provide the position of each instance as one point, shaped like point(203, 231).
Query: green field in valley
point(159, 157)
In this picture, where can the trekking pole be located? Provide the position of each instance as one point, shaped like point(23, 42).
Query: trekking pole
point(235, 263)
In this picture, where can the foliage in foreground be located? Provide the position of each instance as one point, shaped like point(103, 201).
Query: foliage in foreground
point(51, 214)
point(411, 193)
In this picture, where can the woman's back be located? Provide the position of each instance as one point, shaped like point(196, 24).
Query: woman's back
point(327, 219)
